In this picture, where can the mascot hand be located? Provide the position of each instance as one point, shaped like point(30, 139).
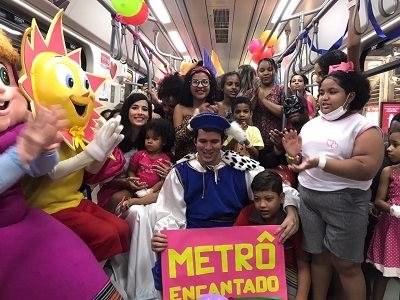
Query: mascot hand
point(106, 137)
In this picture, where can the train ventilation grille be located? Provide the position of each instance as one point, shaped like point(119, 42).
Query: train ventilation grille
point(221, 25)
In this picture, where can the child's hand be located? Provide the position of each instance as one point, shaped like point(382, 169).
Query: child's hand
point(134, 183)
point(292, 142)
point(244, 125)
point(159, 242)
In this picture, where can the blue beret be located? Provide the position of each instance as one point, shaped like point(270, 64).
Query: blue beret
point(209, 120)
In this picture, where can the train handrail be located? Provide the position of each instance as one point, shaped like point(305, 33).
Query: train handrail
point(172, 58)
point(113, 13)
point(322, 10)
point(115, 37)
point(314, 36)
point(383, 12)
point(123, 41)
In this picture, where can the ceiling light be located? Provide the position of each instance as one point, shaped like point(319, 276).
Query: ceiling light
point(9, 30)
point(289, 10)
point(159, 9)
point(176, 39)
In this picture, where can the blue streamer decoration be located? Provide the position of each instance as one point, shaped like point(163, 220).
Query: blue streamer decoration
point(378, 28)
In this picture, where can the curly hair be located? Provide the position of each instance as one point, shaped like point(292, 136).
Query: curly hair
point(352, 82)
point(223, 81)
point(267, 181)
point(333, 57)
point(126, 144)
point(164, 129)
point(186, 95)
point(270, 60)
point(171, 85)
point(7, 51)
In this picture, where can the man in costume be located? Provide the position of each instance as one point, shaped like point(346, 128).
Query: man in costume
point(83, 149)
point(40, 258)
point(208, 189)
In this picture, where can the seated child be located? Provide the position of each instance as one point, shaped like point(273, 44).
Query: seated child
point(267, 210)
point(242, 114)
point(160, 137)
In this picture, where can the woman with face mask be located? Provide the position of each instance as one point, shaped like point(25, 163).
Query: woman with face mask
point(336, 156)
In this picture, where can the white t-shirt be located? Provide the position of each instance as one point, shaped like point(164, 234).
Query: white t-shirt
point(335, 140)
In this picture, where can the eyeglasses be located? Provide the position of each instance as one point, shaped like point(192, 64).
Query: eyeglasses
point(204, 82)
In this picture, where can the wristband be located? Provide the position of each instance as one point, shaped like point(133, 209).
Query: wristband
point(297, 157)
point(249, 146)
point(322, 162)
point(351, 3)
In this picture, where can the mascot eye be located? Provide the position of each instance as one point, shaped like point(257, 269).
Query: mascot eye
point(4, 75)
point(64, 75)
point(85, 80)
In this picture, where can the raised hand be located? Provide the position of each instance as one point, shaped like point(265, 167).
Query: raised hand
point(292, 142)
point(41, 133)
point(106, 137)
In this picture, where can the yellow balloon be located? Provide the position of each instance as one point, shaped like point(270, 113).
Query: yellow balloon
point(271, 41)
point(264, 36)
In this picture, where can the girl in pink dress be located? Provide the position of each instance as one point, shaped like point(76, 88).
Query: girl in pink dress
point(159, 139)
point(384, 248)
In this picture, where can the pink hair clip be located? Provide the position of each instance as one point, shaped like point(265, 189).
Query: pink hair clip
point(344, 67)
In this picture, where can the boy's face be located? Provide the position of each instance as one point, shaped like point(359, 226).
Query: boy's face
point(242, 113)
point(268, 204)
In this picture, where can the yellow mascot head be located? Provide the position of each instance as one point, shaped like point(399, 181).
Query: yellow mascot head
point(52, 76)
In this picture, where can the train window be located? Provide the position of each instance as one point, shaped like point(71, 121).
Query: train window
point(381, 64)
point(15, 23)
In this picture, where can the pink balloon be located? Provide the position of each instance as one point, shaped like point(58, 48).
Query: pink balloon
point(212, 297)
point(254, 45)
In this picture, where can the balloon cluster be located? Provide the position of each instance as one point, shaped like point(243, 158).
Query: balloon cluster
point(131, 12)
point(257, 48)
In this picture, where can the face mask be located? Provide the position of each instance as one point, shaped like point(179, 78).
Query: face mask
point(337, 113)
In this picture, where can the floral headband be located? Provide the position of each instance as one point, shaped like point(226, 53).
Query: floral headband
point(200, 69)
point(345, 67)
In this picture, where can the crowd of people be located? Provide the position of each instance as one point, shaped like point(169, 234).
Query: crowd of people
point(197, 152)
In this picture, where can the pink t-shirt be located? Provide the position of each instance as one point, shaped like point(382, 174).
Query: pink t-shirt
point(144, 165)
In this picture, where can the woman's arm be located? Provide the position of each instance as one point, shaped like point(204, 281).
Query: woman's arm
point(178, 115)
point(354, 40)
point(384, 181)
point(275, 109)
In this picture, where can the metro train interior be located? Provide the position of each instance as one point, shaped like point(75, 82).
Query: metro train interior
point(182, 31)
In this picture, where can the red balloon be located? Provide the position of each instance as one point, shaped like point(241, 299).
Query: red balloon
point(256, 57)
point(272, 51)
point(266, 54)
point(139, 18)
point(286, 175)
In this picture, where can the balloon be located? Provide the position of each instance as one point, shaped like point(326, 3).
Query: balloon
point(254, 45)
point(127, 8)
point(256, 57)
point(286, 175)
point(272, 51)
point(272, 41)
point(212, 297)
point(266, 54)
point(139, 18)
point(264, 36)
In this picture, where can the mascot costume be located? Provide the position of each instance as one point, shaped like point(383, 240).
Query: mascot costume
point(40, 258)
point(52, 76)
